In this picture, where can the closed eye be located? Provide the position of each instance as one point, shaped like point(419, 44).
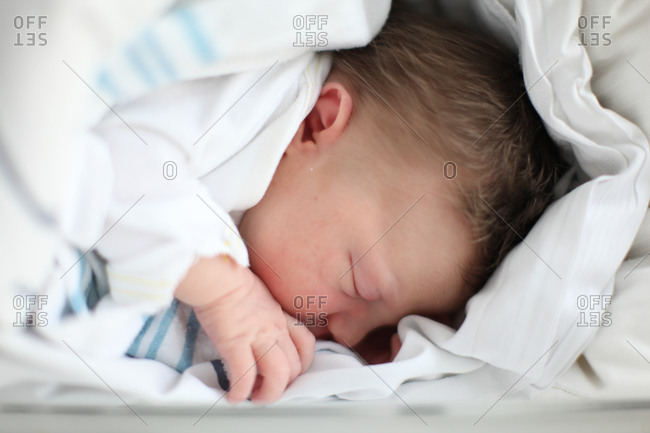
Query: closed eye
point(354, 292)
point(366, 289)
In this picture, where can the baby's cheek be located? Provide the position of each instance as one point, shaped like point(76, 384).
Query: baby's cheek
point(291, 303)
point(279, 293)
point(298, 304)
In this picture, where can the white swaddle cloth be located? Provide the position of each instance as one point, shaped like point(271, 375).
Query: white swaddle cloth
point(521, 330)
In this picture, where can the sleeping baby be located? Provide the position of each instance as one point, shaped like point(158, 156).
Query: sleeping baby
point(417, 164)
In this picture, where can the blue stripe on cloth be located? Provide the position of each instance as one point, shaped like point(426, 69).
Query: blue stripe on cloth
point(78, 302)
point(191, 331)
point(98, 288)
point(75, 302)
point(156, 51)
point(191, 26)
point(136, 59)
point(162, 330)
point(133, 350)
point(222, 376)
point(106, 82)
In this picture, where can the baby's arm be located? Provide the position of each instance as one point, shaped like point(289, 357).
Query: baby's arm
point(248, 328)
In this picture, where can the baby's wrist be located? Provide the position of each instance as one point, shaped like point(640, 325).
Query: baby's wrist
point(211, 280)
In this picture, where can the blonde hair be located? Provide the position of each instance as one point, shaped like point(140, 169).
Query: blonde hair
point(460, 97)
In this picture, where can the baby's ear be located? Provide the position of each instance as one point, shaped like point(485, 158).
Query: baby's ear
point(330, 115)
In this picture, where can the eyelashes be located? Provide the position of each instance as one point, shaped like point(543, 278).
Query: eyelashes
point(353, 293)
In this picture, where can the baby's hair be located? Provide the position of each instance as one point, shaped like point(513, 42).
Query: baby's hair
point(443, 93)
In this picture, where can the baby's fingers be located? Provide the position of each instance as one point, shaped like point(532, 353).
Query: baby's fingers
point(273, 366)
point(241, 368)
point(287, 345)
point(304, 341)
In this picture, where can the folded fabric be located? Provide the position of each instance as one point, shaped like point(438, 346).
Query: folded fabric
point(521, 331)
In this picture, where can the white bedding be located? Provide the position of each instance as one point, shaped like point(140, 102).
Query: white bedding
point(614, 364)
point(521, 329)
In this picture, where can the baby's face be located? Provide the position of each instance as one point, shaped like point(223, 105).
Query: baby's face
point(346, 250)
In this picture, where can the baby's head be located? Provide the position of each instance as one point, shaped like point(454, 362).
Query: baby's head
point(418, 169)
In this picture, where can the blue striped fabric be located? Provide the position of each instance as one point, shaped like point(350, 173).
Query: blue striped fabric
point(191, 333)
point(168, 50)
point(169, 336)
point(159, 54)
point(174, 337)
point(92, 284)
point(133, 350)
point(162, 330)
point(202, 45)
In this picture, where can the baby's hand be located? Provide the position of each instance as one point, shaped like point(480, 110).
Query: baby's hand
point(252, 334)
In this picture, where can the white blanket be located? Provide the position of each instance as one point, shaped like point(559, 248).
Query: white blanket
point(521, 331)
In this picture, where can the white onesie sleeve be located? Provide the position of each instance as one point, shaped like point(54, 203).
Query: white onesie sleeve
point(140, 190)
